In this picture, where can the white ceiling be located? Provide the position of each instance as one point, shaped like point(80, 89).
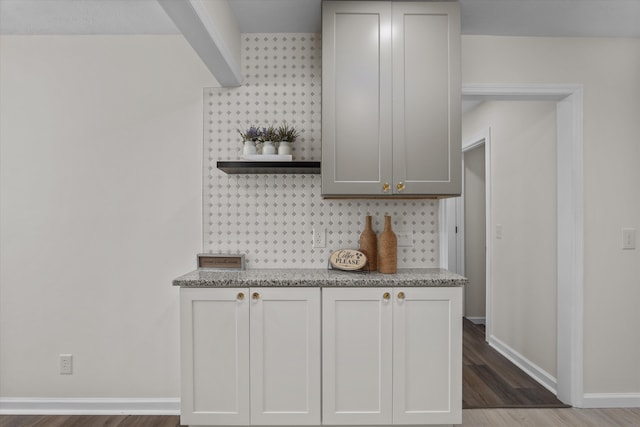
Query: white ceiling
point(84, 17)
point(600, 18)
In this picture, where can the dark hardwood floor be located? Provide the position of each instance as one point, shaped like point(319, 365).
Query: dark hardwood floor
point(489, 380)
point(89, 421)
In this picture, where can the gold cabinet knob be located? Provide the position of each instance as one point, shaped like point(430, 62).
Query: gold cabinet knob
point(400, 295)
point(400, 186)
point(255, 296)
point(240, 296)
point(386, 296)
point(386, 187)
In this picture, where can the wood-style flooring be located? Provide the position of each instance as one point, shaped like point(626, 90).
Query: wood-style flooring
point(489, 380)
point(549, 417)
point(89, 421)
point(568, 417)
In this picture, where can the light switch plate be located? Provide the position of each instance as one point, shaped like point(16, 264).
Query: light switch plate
point(628, 238)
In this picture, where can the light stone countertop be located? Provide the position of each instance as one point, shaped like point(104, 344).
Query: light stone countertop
point(421, 277)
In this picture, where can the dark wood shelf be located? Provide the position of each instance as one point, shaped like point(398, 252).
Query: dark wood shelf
point(246, 167)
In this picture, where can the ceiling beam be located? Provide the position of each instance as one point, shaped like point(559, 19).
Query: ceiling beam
point(212, 30)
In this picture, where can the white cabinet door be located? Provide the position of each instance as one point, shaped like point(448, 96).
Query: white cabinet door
point(215, 356)
point(356, 97)
point(285, 356)
point(427, 355)
point(426, 98)
point(356, 356)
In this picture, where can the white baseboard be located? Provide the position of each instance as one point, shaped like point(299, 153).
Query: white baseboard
point(611, 400)
point(534, 371)
point(477, 320)
point(89, 406)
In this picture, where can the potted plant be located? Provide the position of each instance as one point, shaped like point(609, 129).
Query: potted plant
point(249, 139)
point(287, 134)
point(268, 136)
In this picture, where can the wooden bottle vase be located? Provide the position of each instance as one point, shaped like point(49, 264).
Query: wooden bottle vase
point(387, 249)
point(369, 244)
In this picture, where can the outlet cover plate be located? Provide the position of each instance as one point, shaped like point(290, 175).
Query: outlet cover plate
point(66, 364)
point(405, 238)
point(319, 237)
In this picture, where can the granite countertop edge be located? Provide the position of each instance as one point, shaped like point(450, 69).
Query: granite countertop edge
point(409, 277)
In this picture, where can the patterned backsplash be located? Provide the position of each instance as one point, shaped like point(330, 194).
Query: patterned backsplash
point(270, 218)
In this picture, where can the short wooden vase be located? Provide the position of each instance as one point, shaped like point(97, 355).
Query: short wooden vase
point(387, 249)
point(369, 244)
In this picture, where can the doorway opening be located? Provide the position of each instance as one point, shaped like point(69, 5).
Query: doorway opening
point(569, 219)
point(524, 135)
point(473, 236)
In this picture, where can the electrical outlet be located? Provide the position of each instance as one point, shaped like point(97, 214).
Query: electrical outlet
point(405, 238)
point(319, 237)
point(66, 364)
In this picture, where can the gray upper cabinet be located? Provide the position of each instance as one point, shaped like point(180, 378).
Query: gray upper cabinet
point(391, 99)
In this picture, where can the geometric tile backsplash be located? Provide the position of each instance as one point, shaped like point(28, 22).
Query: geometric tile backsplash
point(270, 218)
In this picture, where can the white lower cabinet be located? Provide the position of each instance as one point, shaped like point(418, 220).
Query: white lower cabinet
point(427, 356)
point(356, 356)
point(250, 356)
point(392, 356)
point(253, 356)
point(214, 345)
point(285, 356)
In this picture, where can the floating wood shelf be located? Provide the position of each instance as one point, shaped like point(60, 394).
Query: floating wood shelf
point(247, 167)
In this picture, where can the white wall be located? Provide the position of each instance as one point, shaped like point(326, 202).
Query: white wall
point(608, 69)
point(523, 203)
point(474, 231)
point(101, 156)
point(100, 151)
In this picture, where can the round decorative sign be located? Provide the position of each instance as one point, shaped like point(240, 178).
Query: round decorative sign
point(348, 259)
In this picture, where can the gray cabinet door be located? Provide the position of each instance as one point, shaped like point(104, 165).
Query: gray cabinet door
point(391, 99)
point(426, 98)
point(356, 98)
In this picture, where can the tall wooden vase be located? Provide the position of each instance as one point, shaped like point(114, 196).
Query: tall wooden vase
point(387, 249)
point(369, 244)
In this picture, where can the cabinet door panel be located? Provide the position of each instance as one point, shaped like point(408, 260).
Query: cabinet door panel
point(215, 356)
point(285, 356)
point(426, 97)
point(357, 79)
point(427, 333)
point(356, 97)
point(356, 339)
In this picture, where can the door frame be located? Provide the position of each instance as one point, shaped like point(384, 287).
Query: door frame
point(570, 220)
point(481, 139)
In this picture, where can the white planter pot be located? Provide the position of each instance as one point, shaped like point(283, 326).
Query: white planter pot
point(249, 147)
point(268, 148)
point(284, 147)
